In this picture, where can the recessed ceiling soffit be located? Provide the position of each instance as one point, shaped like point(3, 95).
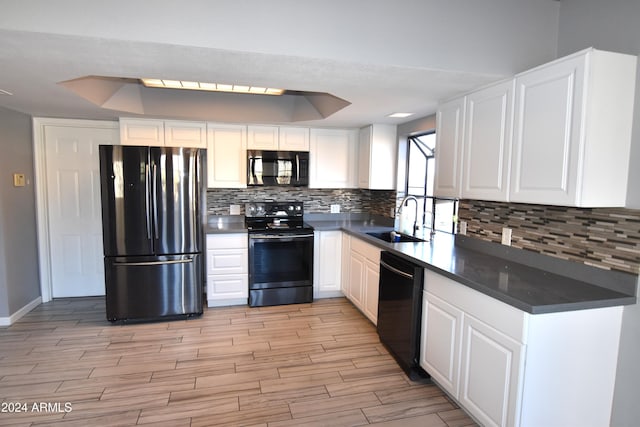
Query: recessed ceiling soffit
point(131, 97)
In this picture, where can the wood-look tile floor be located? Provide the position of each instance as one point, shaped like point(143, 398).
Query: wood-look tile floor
point(317, 364)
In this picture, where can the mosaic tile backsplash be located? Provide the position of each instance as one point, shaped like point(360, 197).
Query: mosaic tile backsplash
point(374, 202)
point(608, 238)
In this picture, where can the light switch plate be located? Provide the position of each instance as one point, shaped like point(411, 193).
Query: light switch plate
point(19, 180)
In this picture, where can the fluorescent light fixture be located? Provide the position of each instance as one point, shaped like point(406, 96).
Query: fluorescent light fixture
point(400, 115)
point(211, 87)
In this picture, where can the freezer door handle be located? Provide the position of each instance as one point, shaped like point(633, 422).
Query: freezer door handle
point(145, 263)
point(155, 198)
point(148, 201)
point(395, 270)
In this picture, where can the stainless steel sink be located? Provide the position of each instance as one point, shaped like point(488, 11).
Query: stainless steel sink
point(395, 238)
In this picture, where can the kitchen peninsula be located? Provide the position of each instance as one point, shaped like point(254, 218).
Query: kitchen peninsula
point(516, 320)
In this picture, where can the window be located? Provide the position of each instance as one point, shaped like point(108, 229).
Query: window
point(420, 182)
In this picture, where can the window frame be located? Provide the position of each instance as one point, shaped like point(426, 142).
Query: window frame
point(427, 199)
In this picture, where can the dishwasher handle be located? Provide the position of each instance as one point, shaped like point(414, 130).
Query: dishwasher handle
point(396, 271)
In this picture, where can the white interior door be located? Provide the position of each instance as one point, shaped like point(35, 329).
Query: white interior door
point(74, 209)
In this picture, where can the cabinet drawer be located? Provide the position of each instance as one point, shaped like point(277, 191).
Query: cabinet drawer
point(227, 286)
point(365, 249)
point(227, 261)
point(505, 318)
point(227, 241)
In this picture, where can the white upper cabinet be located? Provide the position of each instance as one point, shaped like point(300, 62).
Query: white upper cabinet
point(333, 158)
point(487, 143)
point(262, 137)
point(277, 138)
point(294, 139)
point(141, 132)
point(178, 133)
point(377, 150)
point(572, 131)
point(160, 133)
point(226, 156)
point(448, 152)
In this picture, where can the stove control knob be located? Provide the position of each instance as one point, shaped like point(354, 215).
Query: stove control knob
point(298, 208)
point(291, 208)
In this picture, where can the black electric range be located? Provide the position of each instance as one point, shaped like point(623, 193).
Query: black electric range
point(280, 254)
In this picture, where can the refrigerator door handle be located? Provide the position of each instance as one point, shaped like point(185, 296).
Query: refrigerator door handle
point(148, 201)
point(155, 199)
point(144, 263)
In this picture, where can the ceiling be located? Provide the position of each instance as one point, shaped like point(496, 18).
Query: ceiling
point(38, 54)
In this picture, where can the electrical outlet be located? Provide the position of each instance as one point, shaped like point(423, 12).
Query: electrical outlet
point(462, 227)
point(335, 208)
point(234, 210)
point(506, 236)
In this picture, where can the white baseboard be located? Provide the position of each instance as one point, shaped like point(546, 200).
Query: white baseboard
point(8, 321)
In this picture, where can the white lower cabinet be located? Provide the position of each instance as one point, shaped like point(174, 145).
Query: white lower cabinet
point(327, 271)
point(506, 367)
point(489, 373)
point(440, 346)
point(361, 286)
point(227, 269)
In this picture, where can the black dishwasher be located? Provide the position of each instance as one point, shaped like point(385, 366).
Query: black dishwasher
point(400, 312)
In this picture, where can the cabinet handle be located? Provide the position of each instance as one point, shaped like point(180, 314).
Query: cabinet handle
point(395, 270)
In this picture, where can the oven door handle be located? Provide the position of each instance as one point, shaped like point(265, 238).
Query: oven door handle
point(279, 237)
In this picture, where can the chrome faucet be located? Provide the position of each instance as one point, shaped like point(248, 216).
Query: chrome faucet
point(404, 203)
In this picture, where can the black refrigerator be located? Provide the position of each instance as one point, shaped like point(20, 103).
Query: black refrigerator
point(153, 202)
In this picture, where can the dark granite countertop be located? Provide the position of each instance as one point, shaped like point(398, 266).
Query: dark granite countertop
point(528, 281)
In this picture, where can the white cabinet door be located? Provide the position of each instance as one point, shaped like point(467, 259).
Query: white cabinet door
point(294, 139)
point(371, 290)
point(363, 277)
point(333, 160)
point(440, 342)
point(327, 264)
point(141, 132)
point(448, 154)
point(262, 137)
point(572, 131)
point(377, 152)
point(490, 374)
point(545, 152)
point(346, 256)
point(226, 156)
point(487, 143)
point(178, 133)
point(227, 269)
point(356, 278)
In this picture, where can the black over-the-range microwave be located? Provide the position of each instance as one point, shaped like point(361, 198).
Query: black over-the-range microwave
point(277, 168)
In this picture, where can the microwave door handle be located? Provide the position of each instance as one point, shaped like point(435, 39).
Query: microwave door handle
point(297, 177)
point(252, 171)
